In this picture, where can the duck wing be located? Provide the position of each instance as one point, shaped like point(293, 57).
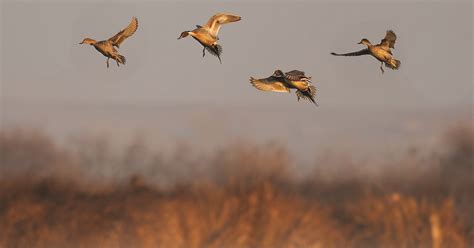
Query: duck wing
point(296, 75)
point(125, 33)
point(214, 23)
point(389, 40)
point(272, 83)
point(358, 53)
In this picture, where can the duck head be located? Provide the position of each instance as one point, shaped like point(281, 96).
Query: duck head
point(88, 41)
point(183, 34)
point(364, 42)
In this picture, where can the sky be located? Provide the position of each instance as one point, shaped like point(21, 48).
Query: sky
point(168, 92)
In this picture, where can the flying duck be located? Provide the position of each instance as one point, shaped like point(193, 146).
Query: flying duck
point(207, 34)
point(380, 51)
point(283, 82)
point(107, 47)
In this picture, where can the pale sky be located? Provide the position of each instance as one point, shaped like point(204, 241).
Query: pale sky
point(51, 82)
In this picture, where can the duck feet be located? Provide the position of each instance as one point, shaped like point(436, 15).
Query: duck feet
point(381, 67)
point(203, 52)
point(107, 62)
point(118, 64)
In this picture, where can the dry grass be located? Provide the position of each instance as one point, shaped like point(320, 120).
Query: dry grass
point(242, 196)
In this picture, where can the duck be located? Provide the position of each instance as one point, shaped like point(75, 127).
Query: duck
point(207, 35)
point(382, 51)
point(108, 47)
point(283, 82)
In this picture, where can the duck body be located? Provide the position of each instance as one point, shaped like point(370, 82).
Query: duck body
point(203, 36)
point(384, 56)
point(208, 41)
point(106, 48)
point(379, 53)
point(300, 85)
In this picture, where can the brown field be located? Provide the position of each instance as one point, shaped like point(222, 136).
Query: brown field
point(89, 194)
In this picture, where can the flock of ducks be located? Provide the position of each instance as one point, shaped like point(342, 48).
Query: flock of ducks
point(207, 36)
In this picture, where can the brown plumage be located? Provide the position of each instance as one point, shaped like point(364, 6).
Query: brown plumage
point(382, 52)
point(283, 82)
point(207, 35)
point(107, 47)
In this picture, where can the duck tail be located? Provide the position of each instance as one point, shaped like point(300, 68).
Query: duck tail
point(121, 59)
point(307, 94)
point(215, 50)
point(393, 64)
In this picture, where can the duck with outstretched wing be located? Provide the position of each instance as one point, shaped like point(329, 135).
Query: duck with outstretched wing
point(107, 47)
point(207, 35)
point(382, 52)
point(283, 82)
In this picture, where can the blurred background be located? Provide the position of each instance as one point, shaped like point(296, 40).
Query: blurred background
point(176, 150)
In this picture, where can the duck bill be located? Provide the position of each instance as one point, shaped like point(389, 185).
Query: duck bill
point(234, 18)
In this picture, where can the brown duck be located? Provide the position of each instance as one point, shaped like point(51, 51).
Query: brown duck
point(207, 34)
point(283, 82)
point(380, 51)
point(107, 47)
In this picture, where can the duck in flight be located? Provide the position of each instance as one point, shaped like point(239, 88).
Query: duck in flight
point(207, 34)
point(107, 47)
point(380, 51)
point(283, 82)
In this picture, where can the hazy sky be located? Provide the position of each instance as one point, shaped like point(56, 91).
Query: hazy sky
point(48, 80)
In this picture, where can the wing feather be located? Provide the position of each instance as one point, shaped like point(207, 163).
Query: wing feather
point(358, 53)
point(214, 23)
point(269, 84)
point(389, 40)
point(296, 75)
point(125, 33)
